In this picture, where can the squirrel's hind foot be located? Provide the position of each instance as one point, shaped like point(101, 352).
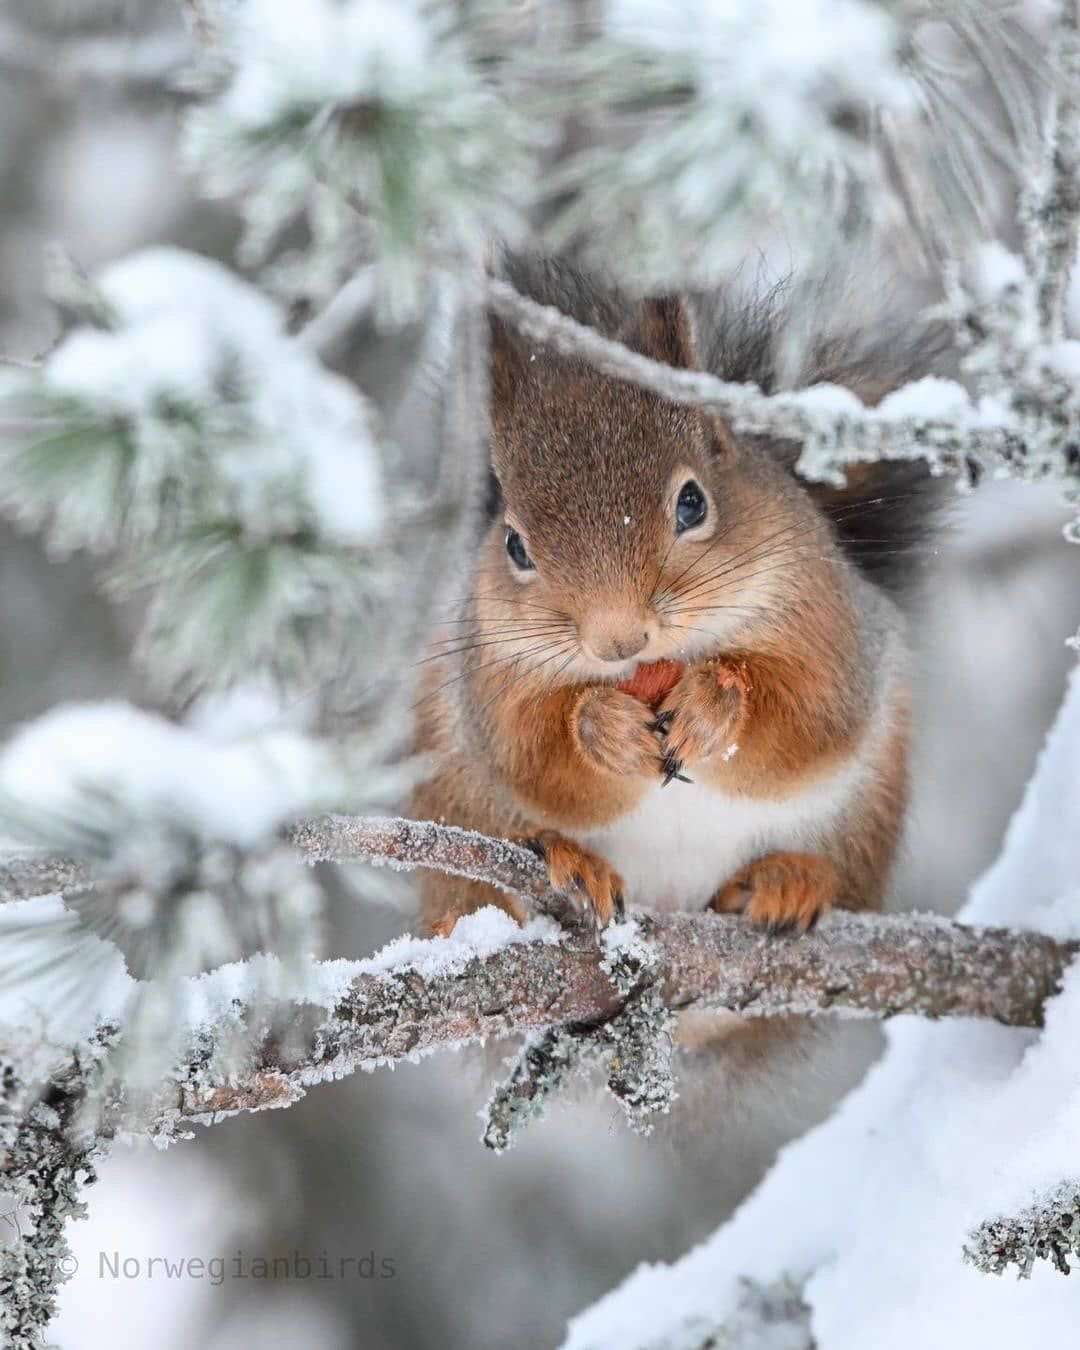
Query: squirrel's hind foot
point(783, 892)
point(590, 883)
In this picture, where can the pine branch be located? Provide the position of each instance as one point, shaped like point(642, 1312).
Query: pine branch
point(379, 841)
point(1052, 221)
point(869, 966)
point(848, 435)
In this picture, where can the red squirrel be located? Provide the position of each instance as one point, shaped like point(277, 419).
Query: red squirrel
point(680, 671)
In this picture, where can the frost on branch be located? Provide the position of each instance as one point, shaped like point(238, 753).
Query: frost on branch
point(48, 1147)
point(1048, 1230)
point(492, 977)
point(215, 456)
point(370, 120)
point(633, 1046)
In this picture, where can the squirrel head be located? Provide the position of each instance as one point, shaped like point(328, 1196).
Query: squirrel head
point(628, 529)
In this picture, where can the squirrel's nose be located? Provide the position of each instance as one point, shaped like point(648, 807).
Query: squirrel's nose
point(617, 635)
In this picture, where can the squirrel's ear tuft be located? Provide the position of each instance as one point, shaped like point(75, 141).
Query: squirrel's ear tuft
point(508, 362)
point(664, 330)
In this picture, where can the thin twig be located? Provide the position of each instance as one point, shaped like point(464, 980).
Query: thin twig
point(864, 436)
point(377, 840)
point(410, 844)
point(1052, 221)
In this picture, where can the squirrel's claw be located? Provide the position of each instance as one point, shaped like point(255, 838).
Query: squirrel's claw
point(672, 768)
point(661, 723)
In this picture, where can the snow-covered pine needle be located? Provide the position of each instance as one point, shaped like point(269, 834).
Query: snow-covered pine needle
point(181, 834)
point(371, 122)
point(715, 126)
point(218, 462)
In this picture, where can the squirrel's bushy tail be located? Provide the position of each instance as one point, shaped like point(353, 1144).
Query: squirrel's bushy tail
point(795, 334)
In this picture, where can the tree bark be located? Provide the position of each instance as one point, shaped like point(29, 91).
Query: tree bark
point(855, 965)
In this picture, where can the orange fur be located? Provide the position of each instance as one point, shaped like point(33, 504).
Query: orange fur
point(581, 873)
point(781, 891)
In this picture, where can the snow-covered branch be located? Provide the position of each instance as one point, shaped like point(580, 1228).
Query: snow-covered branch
point(878, 966)
point(932, 419)
point(381, 841)
point(1052, 216)
point(417, 996)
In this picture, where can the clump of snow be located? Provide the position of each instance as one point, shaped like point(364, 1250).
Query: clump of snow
point(212, 999)
point(327, 52)
point(372, 121)
point(831, 399)
point(995, 269)
point(1063, 358)
point(220, 406)
point(930, 397)
point(628, 954)
point(960, 1121)
point(171, 314)
point(81, 759)
point(478, 935)
point(778, 57)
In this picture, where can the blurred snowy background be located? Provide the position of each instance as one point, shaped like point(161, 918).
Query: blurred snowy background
point(485, 1251)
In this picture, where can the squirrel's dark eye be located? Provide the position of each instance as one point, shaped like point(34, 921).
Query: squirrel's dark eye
point(691, 508)
point(515, 546)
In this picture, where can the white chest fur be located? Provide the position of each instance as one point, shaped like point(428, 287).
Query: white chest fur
point(683, 841)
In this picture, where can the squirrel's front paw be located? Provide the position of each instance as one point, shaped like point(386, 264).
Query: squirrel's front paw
point(702, 715)
point(782, 891)
point(592, 884)
point(616, 732)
